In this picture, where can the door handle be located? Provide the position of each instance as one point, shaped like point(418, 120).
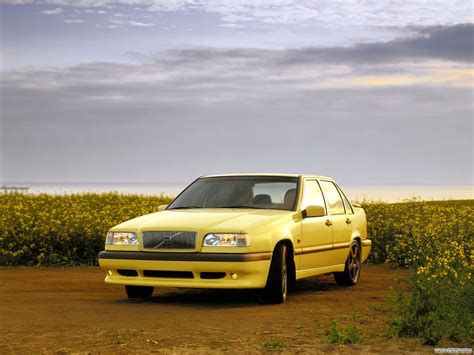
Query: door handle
point(348, 221)
point(328, 222)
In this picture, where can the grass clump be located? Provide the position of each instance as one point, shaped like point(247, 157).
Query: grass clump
point(344, 334)
point(274, 345)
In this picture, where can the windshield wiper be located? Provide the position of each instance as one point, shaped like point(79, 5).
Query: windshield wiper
point(242, 206)
point(183, 207)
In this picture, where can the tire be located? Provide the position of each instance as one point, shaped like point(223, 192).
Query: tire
point(276, 289)
point(350, 275)
point(139, 291)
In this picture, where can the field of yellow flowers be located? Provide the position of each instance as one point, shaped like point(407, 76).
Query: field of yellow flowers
point(64, 230)
point(434, 239)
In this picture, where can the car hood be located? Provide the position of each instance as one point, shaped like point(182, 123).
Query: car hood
point(203, 220)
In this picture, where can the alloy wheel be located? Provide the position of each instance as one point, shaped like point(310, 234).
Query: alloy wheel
point(284, 276)
point(354, 262)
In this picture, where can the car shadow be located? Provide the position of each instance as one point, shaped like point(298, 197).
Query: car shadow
point(315, 284)
point(223, 298)
point(205, 298)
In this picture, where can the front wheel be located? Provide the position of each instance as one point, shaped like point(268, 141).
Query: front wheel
point(139, 291)
point(276, 288)
point(351, 273)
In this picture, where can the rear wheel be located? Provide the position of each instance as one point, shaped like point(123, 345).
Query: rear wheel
point(139, 291)
point(276, 289)
point(351, 273)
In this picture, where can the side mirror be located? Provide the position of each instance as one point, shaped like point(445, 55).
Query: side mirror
point(314, 211)
point(162, 207)
point(357, 205)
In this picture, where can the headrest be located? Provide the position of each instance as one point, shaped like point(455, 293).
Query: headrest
point(261, 199)
point(290, 198)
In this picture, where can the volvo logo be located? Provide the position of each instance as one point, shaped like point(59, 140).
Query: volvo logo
point(167, 240)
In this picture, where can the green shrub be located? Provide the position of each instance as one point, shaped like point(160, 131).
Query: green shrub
point(436, 309)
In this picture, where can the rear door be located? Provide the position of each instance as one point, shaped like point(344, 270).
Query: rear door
point(341, 222)
point(316, 232)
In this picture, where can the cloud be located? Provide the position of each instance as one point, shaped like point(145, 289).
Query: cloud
point(140, 24)
point(439, 42)
point(443, 54)
point(100, 12)
point(55, 11)
point(206, 110)
point(74, 20)
point(380, 13)
point(231, 25)
point(131, 23)
point(229, 116)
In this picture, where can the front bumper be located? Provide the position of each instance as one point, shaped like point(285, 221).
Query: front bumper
point(251, 269)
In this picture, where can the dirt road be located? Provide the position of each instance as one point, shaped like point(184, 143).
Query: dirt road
point(73, 310)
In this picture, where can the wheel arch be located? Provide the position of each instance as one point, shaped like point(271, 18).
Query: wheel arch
point(358, 238)
point(291, 259)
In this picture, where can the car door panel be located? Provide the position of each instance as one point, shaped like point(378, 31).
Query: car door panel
point(317, 243)
point(341, 238)
point(316, 232)
point(341, 223)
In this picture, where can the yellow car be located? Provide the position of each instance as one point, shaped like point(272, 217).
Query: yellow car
point(252, 231)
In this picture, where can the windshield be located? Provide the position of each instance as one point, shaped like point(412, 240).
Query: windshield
point(266, 192)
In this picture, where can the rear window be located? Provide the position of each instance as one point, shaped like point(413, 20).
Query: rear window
point(333, 198)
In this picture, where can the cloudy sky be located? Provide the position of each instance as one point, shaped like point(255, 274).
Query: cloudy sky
point(369, 92)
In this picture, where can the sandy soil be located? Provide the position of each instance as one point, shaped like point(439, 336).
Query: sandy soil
point(73, 310)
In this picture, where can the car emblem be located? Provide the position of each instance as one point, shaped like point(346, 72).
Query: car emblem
point(167, 240)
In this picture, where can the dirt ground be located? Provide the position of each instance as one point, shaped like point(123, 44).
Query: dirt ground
point(72, 310)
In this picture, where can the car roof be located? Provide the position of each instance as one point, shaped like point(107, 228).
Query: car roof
point(270, 174)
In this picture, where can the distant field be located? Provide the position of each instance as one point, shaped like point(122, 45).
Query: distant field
point(70, 229)
point(434, 239)
point(374, 193)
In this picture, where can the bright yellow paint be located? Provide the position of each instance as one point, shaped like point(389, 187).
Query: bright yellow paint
point(317, 248)
point(252, 274)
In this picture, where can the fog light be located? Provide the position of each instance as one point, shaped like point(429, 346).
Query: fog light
point(109, 272)
point(233, 276)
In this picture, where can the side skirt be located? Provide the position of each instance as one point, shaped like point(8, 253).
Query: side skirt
point(301, 274)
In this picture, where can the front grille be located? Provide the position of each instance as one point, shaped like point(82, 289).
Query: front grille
point(169, 240)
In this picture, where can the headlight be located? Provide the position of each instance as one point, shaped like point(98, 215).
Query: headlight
point(226, 240)
point(121, 238)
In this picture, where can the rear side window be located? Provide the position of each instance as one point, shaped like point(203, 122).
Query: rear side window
point(333, 198)
point(312, 195)
point(347, 204)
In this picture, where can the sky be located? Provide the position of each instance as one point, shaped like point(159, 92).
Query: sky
point(149, 91)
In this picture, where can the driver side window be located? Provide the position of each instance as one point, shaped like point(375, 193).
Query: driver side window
point(312, 195)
